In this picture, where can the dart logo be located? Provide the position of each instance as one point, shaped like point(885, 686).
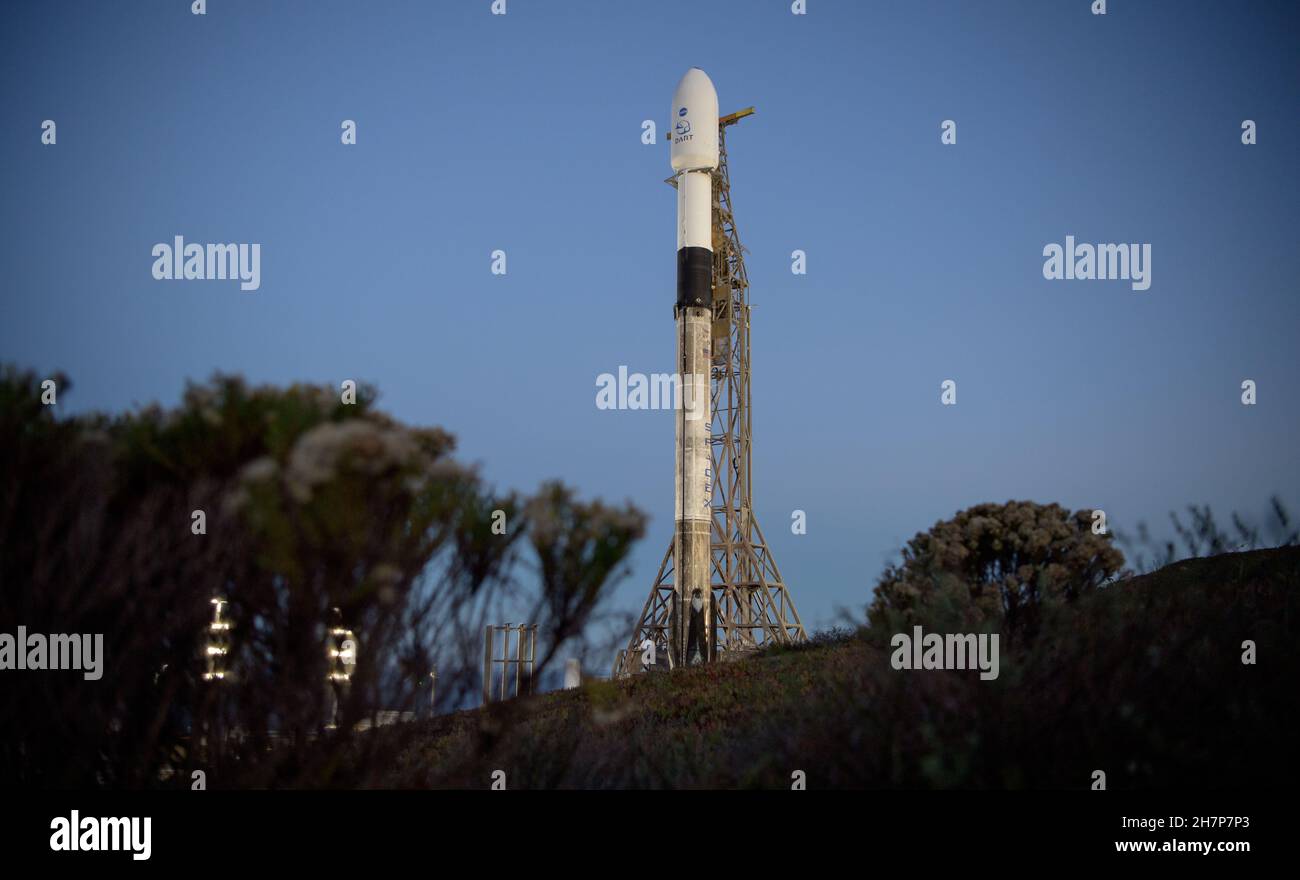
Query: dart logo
point(682, 127)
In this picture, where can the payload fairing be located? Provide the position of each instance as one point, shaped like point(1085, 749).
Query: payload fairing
point(694, 156)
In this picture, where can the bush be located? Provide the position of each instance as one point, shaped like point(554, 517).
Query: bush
point(1144, 680)
point(995, 566)
point(315, 514)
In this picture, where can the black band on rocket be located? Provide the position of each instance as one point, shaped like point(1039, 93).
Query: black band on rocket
point(694, 277)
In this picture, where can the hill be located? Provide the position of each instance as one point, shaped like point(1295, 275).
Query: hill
point(1144, 680)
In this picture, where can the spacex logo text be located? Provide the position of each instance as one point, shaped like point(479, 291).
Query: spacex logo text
point(91, 834)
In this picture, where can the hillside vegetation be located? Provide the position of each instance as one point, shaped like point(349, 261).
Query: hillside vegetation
point(1143, 679)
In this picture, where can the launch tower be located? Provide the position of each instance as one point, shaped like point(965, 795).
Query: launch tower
point(749, 604)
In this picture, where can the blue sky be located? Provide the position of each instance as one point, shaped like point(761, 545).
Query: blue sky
point(523, 132)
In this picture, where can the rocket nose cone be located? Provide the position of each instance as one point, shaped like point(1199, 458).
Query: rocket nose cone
point(696, 82)
point(694, 122)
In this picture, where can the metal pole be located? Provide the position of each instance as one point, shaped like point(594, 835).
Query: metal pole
point(487, 665)
point(519, 642)
point(505, 657)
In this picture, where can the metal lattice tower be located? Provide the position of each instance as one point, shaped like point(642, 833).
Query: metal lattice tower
point(752, 606)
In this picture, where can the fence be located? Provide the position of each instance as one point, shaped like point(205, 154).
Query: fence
point(518, 668)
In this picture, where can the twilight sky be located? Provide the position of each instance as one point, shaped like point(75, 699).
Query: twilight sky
point(523, 133)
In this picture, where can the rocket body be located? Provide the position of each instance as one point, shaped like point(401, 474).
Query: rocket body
point(694, 155)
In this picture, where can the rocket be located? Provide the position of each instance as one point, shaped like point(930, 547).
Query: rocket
point(694, 156)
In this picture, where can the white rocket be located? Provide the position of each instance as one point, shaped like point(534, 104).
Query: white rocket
point(694, 155)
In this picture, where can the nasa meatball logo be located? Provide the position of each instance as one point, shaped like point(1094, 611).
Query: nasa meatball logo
point(681, 112)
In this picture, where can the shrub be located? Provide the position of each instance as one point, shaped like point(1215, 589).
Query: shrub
point(995, 566)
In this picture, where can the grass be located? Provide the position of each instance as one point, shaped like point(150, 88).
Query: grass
point(1143, 680)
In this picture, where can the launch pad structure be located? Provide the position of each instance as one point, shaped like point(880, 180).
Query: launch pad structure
point(752, 607)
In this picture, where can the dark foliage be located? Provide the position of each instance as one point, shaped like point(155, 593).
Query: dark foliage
point(300, 512)
point(1202, 535)
point(995, 566)
point(1143, 680)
